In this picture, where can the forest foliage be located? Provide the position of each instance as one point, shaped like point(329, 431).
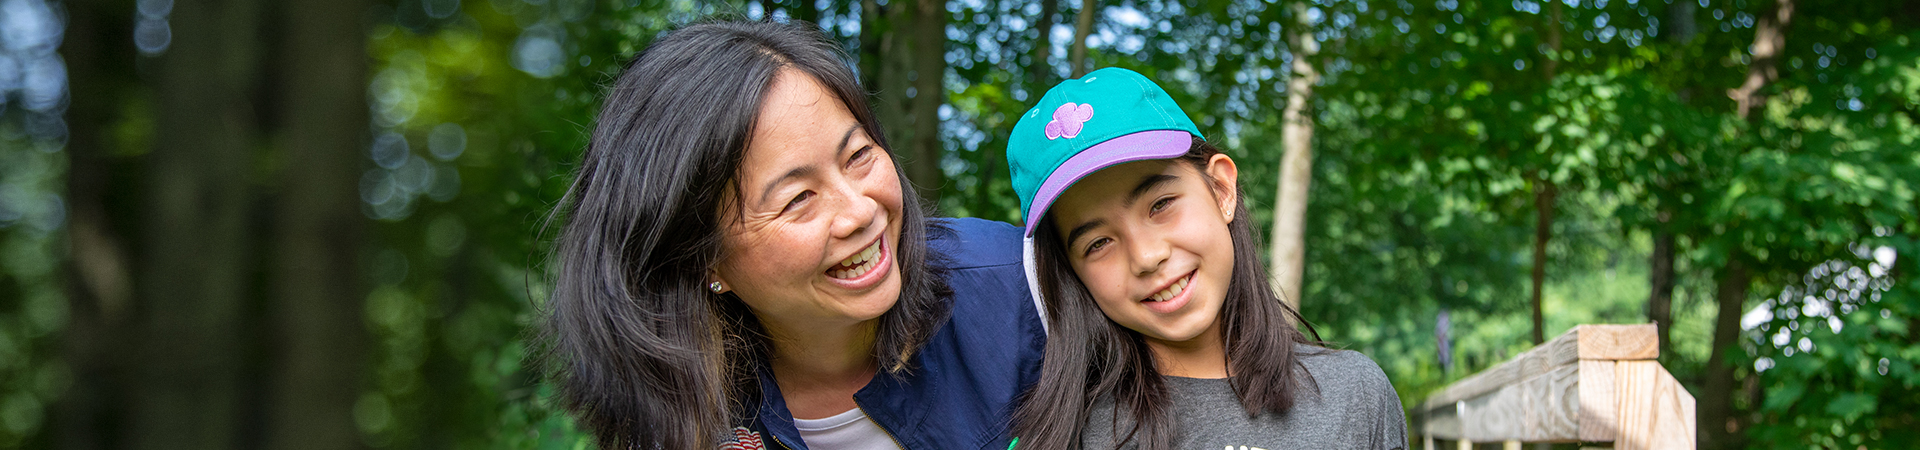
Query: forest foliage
point(1438, 125)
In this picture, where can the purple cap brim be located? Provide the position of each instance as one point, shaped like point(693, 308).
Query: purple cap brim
point(1141, 146)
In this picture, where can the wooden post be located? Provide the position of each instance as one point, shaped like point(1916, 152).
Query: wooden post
point(1596, 383)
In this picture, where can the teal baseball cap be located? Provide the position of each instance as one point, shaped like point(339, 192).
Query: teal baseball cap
point(1110, 116)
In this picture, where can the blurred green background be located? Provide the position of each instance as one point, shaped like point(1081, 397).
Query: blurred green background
point(323, 223)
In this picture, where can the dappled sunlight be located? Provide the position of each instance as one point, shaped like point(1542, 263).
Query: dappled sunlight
point(1441, 129)
point(34, 96)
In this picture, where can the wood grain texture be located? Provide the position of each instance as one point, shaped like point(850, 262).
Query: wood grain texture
point(1689, 413)
point(1655, 411)
point(1603, 342)
point(1674, 419)
point(1543, 408)
point(1599, 419)
point(1443, 422)
point(1619, 342)
point(1533, 409)
point(1557, 405)
point(1633, 385)
point(1528, 364)
point(1493, 417)
point(1595, 384)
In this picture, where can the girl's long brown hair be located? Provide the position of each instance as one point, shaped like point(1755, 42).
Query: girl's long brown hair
point(1089, 357)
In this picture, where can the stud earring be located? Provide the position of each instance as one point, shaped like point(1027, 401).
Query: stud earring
point(715, 287)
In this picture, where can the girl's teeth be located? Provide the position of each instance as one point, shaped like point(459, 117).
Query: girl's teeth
point(1172, 291)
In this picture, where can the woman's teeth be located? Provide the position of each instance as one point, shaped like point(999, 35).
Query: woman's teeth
point(858, 264)
point(1171, 291)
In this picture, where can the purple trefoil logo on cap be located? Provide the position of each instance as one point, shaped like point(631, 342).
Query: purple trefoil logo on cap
point(1068, 119)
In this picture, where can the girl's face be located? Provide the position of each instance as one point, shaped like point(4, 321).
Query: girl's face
point(819, 215)
point(1149, 239)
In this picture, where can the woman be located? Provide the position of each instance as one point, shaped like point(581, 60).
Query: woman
point(743, 264)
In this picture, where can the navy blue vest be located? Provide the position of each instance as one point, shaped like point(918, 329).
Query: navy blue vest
point(961, 392)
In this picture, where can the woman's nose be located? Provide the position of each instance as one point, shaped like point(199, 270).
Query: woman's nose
point(855, 211)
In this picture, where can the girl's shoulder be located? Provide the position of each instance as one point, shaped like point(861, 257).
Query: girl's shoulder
point(1337, 360)
point(1340, 373)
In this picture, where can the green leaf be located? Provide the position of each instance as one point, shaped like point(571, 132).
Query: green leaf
point(1783, 396)
point(1852, 405)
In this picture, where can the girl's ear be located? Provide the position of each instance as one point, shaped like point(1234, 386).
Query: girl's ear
point(1225, 177)
point(717, 285)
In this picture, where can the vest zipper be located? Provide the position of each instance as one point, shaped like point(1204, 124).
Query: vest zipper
point(776, 440)
point(876, 424)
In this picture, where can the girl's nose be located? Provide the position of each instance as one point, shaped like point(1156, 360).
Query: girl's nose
point(1149, 254)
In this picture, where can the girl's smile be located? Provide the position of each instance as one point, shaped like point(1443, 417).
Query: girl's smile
point(1149, 241)
point(1168, 300)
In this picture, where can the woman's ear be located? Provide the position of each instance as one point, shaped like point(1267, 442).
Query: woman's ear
point(1225, 178)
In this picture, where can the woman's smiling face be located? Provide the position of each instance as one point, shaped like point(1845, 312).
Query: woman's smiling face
point(1149, 239)
point(818, 218)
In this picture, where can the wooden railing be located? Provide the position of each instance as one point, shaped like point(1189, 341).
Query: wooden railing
point(1596, 384)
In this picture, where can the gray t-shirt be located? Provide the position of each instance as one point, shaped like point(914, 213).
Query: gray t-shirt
point(1354, 408)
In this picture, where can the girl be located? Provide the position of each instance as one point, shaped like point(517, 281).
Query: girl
point(1165, 333)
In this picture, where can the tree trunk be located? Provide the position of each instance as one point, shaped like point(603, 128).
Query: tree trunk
point(1041, 71)
point(1083, 26)
point(1552, 66)
point(1296, 164)
point(1720, 427)
point(100, 281)
point(1660, 299)
point(872, 39)
point(1543, 195)
point(912, 61)
point(929, 92)
point(316, 299)
point(1769, 37)
point(886, 60)
point(194, 272)
point(1680, 26)
point(1661, 276)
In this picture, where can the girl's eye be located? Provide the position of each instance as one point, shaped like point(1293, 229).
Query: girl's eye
point(1096, 245)
point(797, 200)
point(1162, 204)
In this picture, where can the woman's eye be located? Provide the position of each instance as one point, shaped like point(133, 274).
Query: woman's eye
point(797, 200)
point(859, 156)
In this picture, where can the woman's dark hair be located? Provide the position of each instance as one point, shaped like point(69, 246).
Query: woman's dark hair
point(1089, 357)
point(644, 356)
